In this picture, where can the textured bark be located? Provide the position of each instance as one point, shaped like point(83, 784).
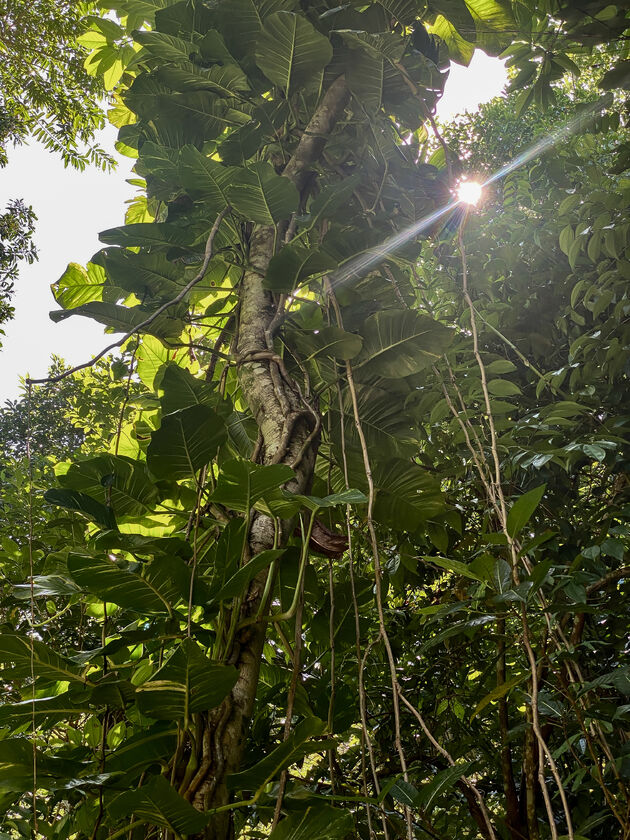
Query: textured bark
point(285, 425)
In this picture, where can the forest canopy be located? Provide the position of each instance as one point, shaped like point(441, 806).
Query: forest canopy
point(335, 542)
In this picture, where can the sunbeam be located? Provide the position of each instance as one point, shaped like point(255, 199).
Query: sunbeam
point(359, 264)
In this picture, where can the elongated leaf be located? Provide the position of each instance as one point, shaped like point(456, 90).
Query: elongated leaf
point(189, 682)
point(166, 47)
point(43, 710)
point(443, 781)
point(258, 194)
point(399, 343)
point(321, 821)
point(186, 441)
point(159, 803)
point(103, 578)
point(453, 566)
point(522, 510)
point(335, 343)
point(156, 234)
point(123, 319)
point(225, 80)
point(47, 663)
point(240, 580)
point(293, 749)
point(73, 500)
point(496, 693)
point(290, 51)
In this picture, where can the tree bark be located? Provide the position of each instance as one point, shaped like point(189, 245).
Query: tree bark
point(286, 425)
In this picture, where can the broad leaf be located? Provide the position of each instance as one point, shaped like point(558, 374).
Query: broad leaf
point(188, 682)
point(290, 51)
point(241, 484)
point(399, 343)
point(125, 319)
point(205, 178)
point(73, 500)
point(15, 651)
point(293, 749)
point(321, 821)
point(78, 285)
point(182, 390)
point(159, 803)
point(42, 710)
point(258, 194)
point(114, 481)
point(103, 578)
point(239, 581)
point(186, 441)
point(294, 264)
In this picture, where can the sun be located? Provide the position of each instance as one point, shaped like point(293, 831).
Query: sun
point(469, 192)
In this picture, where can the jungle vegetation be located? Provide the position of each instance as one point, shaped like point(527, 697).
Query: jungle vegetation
point(335, 543)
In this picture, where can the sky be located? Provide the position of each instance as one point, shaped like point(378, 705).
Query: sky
point(72, 207)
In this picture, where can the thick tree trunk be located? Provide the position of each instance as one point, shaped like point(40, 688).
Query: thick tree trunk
point(285, 424)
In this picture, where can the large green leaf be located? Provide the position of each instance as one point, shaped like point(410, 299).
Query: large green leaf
point(241, 22)
point(241, 484)
point(290, 51)
point(78, 285)
point(42, 710)
point(399, 343)
point(147, 234)
point(73, 500)
point(203, 177)
point(167, 48)
point(103, 578)
point(182, 390)
point(186, 441)
point(151, 357)
point(159, 803)
point(114, 481)
point(189, 682)
point(16, 652)
point(146, 275)
point(294, 264)
point(386, 427)
point(297, 745)
point(258, 194)
point(406, 495)
point(124, 319)
point(141, 750)
point(225, 80)
point(321, 821)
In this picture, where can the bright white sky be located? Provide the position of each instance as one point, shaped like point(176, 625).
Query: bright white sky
point(72, 207)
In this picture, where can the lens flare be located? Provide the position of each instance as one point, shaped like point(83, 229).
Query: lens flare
point(469, 192)
point(472, 193)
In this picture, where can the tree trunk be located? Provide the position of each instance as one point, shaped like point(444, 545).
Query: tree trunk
point(285, 425)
